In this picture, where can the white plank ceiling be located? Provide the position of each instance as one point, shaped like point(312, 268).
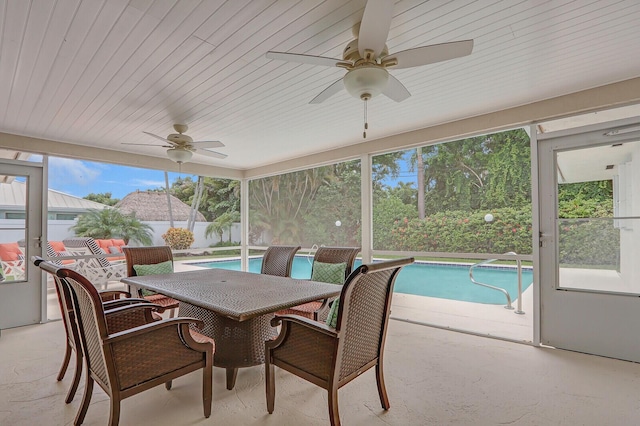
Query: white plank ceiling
point(100, 72)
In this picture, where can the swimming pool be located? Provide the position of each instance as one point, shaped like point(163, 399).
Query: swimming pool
point(423, 279)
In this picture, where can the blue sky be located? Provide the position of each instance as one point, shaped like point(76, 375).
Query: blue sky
point(80, 178)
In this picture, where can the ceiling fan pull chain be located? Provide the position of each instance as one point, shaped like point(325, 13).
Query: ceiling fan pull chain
point(366, 125)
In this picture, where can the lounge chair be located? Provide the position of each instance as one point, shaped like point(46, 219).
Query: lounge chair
point(12, 262)
point(98, 269)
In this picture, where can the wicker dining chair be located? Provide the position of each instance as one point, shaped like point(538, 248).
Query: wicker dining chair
point(128, 362)
point(135, 256)
point(278, 260)
point(331, 358)
point(115, 323)
point(318, 310)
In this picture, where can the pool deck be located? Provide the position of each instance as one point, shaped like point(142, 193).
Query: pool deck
point(477, 318)
point(491, 320)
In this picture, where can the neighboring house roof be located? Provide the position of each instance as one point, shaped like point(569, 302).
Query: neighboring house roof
point(152, 206)
point(13, 196)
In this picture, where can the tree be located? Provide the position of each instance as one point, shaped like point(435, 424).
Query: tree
point(280, 203)
point(334, 216)
point(218, 195)
point(222, 223)
point(111, 223)
point(103, 198)
point(420, 171)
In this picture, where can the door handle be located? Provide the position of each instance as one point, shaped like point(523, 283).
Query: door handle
point(544, 237)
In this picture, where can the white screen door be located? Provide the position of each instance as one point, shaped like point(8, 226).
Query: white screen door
point(20, 231)
point(590, 241)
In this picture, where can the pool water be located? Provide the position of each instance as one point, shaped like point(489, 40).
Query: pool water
point(423, 279)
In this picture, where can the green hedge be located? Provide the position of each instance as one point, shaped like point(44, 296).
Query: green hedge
point(464, 232)
point(589, 243)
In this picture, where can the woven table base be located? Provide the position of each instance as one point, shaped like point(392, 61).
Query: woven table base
point(238, 343)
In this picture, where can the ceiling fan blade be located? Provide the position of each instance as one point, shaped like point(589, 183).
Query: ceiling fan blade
point(304, 59)
point(207, 144)
point(209, 153)
point(334, 88)
point(164, 140)
point(374, 28)
point(431, 54)
point(145, 144)
point(396, 90)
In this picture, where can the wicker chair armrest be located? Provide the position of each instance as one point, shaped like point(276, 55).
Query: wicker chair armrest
point(131, 316)
point(107, 295)
point(322, 312)
point(118, 303)
point(306, 322)
point(156, 351)
point(148, 328)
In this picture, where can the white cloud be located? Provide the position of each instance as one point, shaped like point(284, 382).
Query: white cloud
point(65, 174)
point(147, 182)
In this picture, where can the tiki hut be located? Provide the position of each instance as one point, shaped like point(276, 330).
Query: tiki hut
point(152, 206)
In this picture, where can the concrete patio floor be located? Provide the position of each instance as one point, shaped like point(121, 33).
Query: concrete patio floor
point(434, 377)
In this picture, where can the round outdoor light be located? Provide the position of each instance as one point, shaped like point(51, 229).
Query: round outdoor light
point(366, 81)
point(488, 217)
point(338, 223)
point(179, 155)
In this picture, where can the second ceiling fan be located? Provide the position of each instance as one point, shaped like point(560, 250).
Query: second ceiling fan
point(181, 146)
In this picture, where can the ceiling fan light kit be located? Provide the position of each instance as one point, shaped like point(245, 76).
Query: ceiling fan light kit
point(366, 81)
point(179, 155)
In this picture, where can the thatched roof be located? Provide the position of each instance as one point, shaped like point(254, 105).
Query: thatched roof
point(152, 206)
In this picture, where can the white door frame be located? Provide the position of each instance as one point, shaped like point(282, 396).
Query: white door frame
point(596, 322)
point(24, 302)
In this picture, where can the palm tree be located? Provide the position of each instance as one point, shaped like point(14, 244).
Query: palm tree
point(111, 223)
point(224, 222)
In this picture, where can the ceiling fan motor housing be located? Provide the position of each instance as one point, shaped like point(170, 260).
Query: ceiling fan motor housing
point(180, 138)
point(351, 52)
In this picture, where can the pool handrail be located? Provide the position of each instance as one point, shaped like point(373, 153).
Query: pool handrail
point(502, 290)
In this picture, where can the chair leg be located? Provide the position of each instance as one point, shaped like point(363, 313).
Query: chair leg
point(76, 378)
point(271, 385)
point(65, 362)
point(207, 391)
point(382, 389)
point(86, 399)
point(168, 384)
point(114, 416)
point(334, 415)
point(232, 374)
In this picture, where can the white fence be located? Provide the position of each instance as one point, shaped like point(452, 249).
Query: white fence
point(58, 230)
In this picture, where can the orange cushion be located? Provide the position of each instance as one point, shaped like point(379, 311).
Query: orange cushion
point(10, 251)
point(58, 246)
point(118, 244)
point(104, 245)
point(112, 242)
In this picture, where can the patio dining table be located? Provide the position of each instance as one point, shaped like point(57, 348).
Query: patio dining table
point(236, 308)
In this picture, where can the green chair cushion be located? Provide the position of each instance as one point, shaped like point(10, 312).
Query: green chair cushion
point(154, 269)
point(328, 272)
point(332, 319)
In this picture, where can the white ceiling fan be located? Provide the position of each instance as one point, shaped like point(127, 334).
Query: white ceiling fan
point(181, 146)
point(366, 58)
